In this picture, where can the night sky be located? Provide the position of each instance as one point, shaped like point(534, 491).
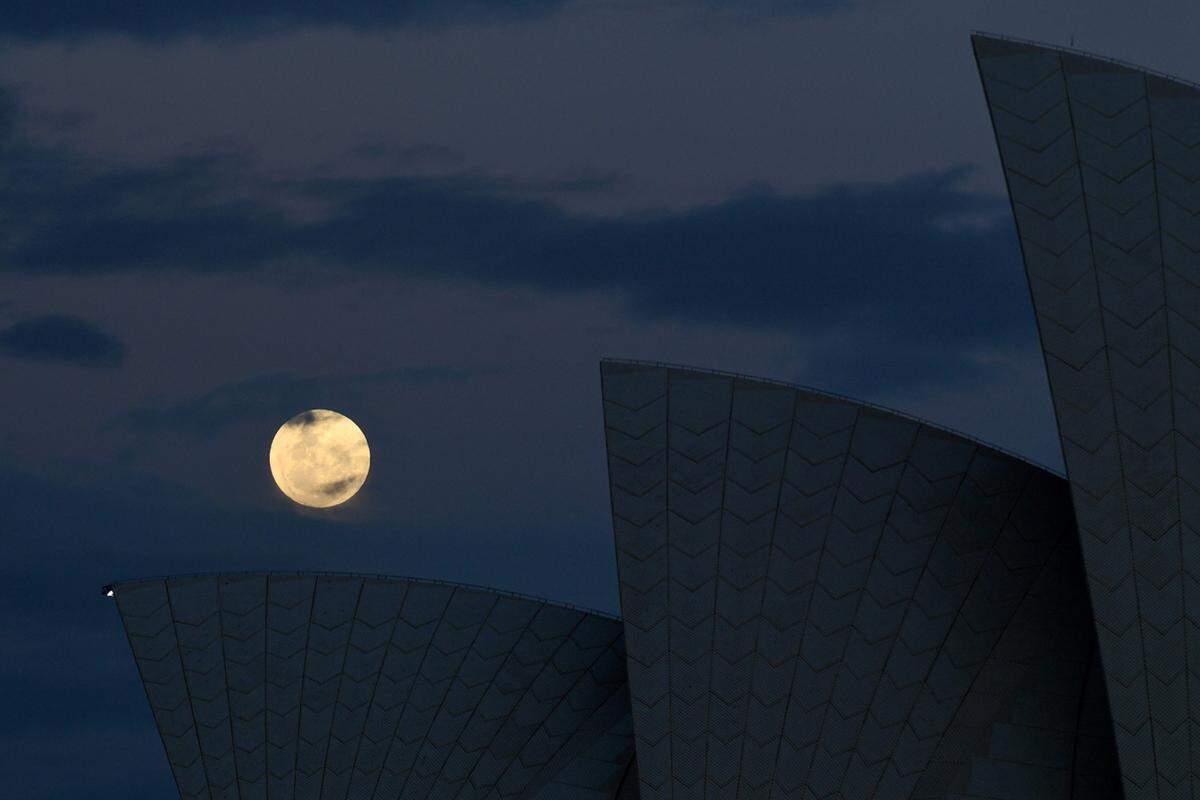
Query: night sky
point(436, 217)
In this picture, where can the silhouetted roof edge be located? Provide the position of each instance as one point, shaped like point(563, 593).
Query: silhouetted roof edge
point(1085, 54)
point(843, 398)
point(114, 585)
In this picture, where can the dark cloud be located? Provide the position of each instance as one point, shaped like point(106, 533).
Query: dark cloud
point(863, 256)
point(155, 214)
point(302, 420)
point(894, 281)
point(272, 398)
point(334, 488)
point(248, 17)
point(59, 337)
point(174, 18)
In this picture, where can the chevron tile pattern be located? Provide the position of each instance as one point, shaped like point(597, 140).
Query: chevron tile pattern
point(1103, 168)
point(351, 687)
point(827, 600)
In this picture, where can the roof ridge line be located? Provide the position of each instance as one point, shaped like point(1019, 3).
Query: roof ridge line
point(112, 585)
point(844, 398)
point(1191, 84)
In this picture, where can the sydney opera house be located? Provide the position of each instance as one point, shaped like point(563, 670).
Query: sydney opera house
point(819, 598)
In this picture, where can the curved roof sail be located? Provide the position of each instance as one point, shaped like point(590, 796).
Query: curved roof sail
point(827, 599)
point(1102, 162)
point(324, 686)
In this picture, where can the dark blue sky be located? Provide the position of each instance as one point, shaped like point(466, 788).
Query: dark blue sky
point(436, 217)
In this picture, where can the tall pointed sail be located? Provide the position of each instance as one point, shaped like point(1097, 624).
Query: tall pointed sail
point(1102, 163)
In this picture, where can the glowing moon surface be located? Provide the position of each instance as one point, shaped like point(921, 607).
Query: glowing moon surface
point(320, 458)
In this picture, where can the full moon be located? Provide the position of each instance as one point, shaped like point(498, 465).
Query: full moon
point(320, 458)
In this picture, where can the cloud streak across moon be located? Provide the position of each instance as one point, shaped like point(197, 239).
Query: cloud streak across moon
point(320, 458)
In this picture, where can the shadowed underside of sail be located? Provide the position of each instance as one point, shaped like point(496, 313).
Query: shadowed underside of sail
point(1103, 167)
point(347, 687)
point(828, 600)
